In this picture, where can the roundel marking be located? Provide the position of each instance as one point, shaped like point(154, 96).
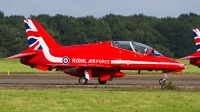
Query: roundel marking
point(65, 60)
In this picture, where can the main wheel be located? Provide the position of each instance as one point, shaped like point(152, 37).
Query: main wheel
point(101, 82)
point(162, 81)
point(83, 80)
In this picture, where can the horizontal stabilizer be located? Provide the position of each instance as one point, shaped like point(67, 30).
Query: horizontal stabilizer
point(21, 55)
point(189, 57)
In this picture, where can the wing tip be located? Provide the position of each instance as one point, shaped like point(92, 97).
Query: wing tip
point(189, 57)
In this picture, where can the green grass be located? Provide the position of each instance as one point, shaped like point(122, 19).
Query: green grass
point(15, 66)
point(97, 101)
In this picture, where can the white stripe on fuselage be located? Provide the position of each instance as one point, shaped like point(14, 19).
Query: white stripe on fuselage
point(141, 62)
point(46, 52)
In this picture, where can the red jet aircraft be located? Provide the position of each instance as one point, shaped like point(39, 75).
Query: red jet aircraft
point(103, 60)
point(195, 57)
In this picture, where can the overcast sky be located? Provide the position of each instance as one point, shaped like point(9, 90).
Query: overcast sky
point(99, 8)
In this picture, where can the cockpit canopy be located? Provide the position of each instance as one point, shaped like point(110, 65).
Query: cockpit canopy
point(135, 47)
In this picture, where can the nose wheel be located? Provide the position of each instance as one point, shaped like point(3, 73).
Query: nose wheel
point(162, 80)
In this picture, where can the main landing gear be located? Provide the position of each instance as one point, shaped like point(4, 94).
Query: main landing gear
point(83, 80)
point(101, 82)
point(162, 80)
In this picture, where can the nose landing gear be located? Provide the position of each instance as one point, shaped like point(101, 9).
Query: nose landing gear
point(162, 80)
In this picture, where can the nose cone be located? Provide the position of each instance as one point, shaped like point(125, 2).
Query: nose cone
point(178, 67)
point(183, 66)
point(174, 66)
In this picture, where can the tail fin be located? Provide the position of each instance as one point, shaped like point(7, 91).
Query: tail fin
point(196, 33)
point(195, 55)
point(38, 38)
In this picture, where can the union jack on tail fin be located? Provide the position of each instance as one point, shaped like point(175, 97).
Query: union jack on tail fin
point(37, 37)
point(196, 33)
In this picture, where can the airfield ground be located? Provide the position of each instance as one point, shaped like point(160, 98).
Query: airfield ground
point(62, 98)
point(128, 80)
point(73, 97)
point(183, 77)
point(93, 97)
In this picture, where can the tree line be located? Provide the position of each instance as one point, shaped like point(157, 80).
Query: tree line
point(173, 37)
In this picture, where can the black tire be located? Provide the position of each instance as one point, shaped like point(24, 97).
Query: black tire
point(83, 80)
point(161, 81)
point(101, 82)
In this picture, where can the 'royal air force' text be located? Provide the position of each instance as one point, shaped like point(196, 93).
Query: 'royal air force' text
point(90, 61)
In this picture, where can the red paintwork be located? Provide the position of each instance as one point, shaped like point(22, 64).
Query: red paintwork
point(96, 56)
point(194, 58)
point(21, 55)
point(103, 50)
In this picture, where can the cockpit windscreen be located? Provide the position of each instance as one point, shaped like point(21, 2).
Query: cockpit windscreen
point(135, 47)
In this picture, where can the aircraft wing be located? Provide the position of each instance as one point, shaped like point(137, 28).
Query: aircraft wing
point(189, 57)
point(21, 55)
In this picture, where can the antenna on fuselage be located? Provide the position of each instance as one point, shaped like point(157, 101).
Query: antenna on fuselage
point(139, 71)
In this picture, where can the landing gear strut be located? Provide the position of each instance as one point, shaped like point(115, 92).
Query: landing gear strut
point(162, 80)
point(83, 80)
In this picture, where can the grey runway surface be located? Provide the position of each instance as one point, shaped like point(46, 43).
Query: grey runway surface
point(57, 79)
point(93, 82)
